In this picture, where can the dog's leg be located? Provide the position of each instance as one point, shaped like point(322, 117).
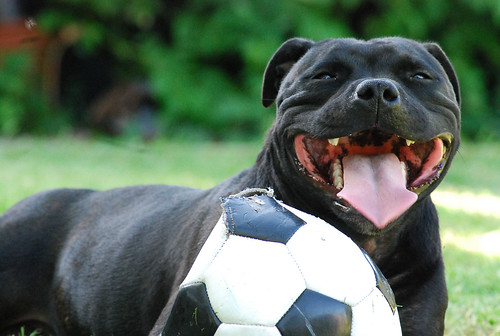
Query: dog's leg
point(31, 234)
point(423, 313)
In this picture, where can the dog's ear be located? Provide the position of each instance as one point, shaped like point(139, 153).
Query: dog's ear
point(438, 53)
point(279, 65)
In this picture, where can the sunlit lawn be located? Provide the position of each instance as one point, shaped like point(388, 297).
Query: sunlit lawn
point(469, 206)
point(468, 200)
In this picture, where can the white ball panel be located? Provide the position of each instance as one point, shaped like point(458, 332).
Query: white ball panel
point(373, 316)
point(253, 281)
point(244, 330)
point(331, 263)
point(308, 218)
point(207, 253)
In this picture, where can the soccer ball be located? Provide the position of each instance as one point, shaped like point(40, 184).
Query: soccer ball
point(268, 269)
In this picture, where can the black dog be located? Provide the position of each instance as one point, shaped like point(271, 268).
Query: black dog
point(364, 132)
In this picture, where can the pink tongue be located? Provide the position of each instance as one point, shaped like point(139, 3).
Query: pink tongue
point(375, 187)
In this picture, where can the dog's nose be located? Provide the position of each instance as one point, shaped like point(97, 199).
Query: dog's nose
point(382, 90)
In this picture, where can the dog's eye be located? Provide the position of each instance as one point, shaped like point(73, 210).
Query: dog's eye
point(325, 76)
point(421, 75)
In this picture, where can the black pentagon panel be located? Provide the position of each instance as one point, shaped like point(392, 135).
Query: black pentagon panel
point(261, 217)
point(192, 313)
point(382, 283)
point(315, 314)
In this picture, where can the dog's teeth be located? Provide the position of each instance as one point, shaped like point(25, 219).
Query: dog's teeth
point(334, 142)
point(338, 180)
point(409, 142)
point(339, 183)
point(404, 170)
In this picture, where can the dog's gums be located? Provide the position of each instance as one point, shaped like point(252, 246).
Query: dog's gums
point(421, 162)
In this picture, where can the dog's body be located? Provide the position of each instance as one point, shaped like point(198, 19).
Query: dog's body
point(81, 262)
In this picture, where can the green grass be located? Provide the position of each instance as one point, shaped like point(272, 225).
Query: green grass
point(469, 208)
point(468, 200)
point(30, 165)
point(22, 333)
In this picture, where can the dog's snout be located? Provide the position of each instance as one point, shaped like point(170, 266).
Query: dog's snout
point(381, 90)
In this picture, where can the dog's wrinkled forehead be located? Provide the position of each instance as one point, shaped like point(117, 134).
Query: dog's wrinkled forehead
point(377, 56)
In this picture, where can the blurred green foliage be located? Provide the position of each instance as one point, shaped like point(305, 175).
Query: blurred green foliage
point(23, 107)
point(204, 59)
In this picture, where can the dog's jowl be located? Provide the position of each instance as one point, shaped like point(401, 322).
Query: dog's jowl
point(364, 131)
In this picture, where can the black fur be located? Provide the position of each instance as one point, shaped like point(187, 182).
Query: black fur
point(82, 262)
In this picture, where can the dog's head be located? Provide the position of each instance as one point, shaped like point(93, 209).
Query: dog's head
point(364, 129)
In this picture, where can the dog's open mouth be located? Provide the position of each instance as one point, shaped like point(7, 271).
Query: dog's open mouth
point(378, 174)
